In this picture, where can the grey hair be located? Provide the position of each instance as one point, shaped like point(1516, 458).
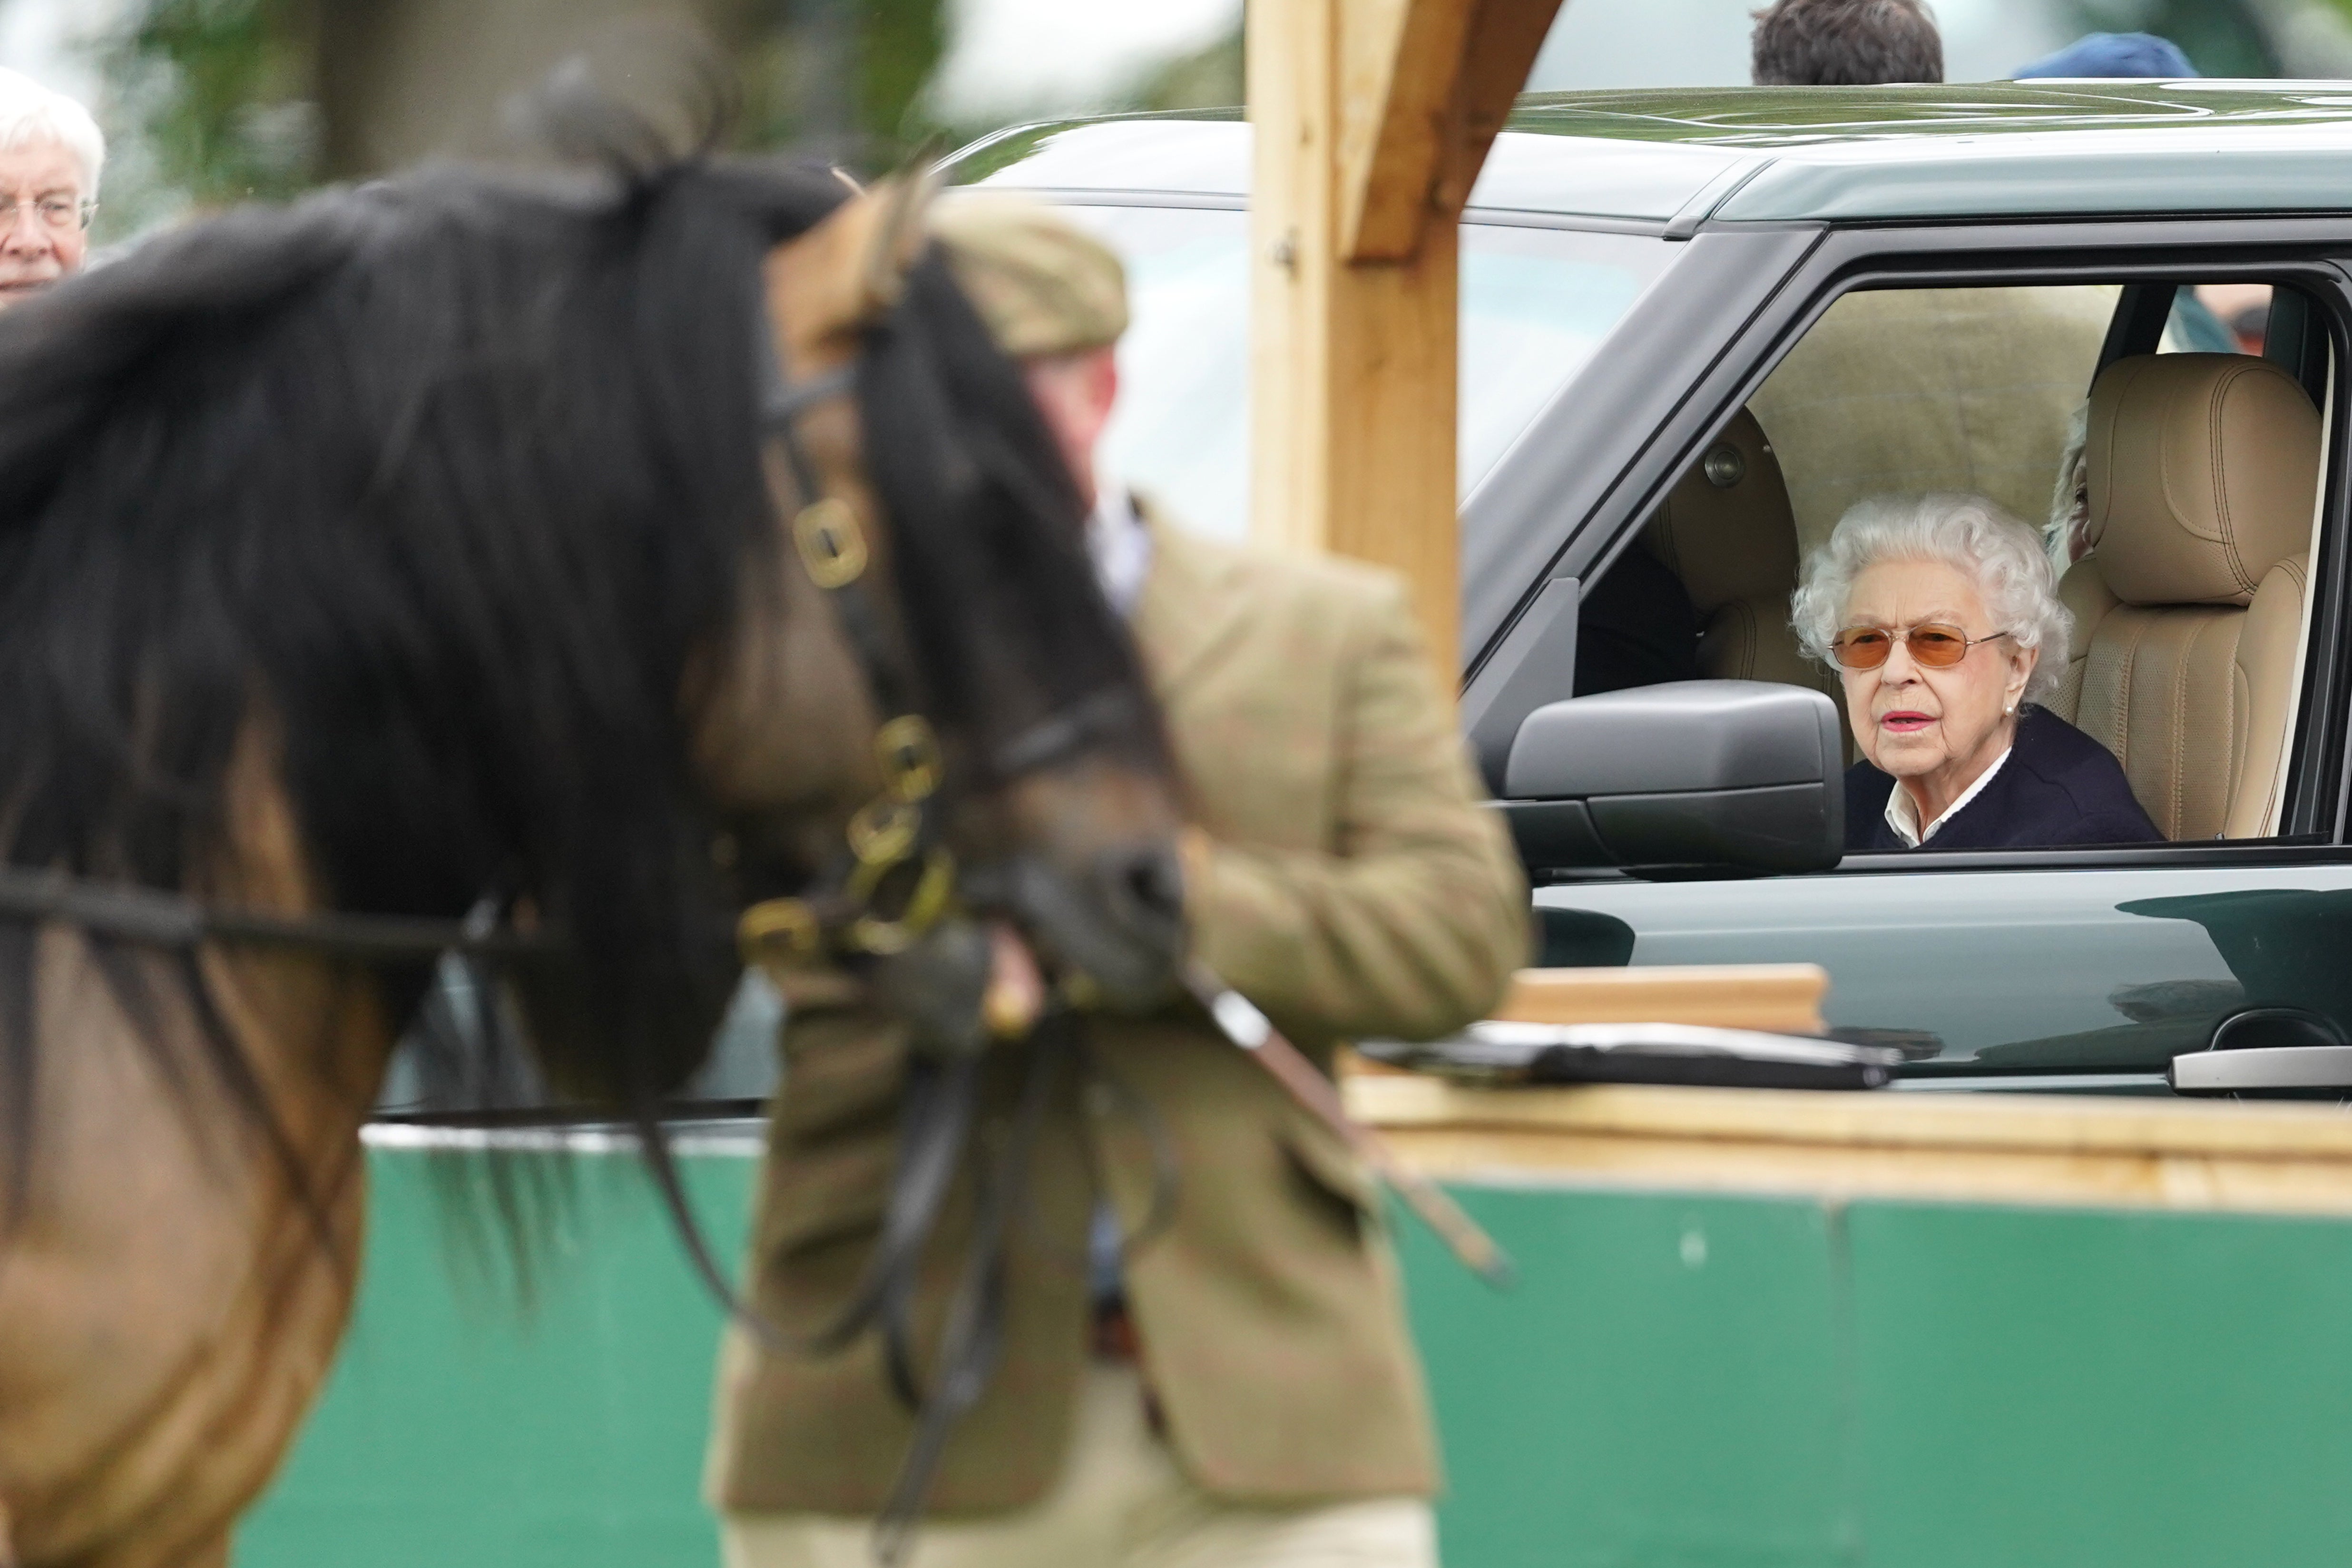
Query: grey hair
point(2003, 556)
point(30, 112)
point(2068, 502)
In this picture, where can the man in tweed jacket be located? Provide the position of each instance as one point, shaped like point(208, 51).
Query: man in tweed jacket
point(1241, 1390)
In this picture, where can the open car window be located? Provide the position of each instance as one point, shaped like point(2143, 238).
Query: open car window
point(2187, 656)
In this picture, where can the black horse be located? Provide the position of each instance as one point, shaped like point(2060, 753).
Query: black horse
point(553, 550)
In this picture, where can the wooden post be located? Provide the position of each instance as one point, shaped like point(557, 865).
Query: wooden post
point(1372, 119)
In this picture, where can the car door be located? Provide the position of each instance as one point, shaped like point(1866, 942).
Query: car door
point(2051, 969)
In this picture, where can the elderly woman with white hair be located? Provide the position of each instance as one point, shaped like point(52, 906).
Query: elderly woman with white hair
point(50, 154)
point(1939, 611)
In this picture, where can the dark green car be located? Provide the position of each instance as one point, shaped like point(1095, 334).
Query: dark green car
point(1782, 301)
point(1695, 326)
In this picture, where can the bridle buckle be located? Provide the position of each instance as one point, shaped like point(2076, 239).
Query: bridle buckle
point(934, 890)
point(907, 752)
point(780, 933)
point(831, 543)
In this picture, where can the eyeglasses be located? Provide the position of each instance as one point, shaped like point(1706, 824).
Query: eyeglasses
point(58, 213)
point(1934, 645)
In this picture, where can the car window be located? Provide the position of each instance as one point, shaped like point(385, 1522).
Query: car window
point(2188, 679)
point(1536, 305)
point(2088, 968)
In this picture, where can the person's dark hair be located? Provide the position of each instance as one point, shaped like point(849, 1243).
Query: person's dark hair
point(1845, 42)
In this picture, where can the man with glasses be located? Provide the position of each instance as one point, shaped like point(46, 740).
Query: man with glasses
point(50, 154)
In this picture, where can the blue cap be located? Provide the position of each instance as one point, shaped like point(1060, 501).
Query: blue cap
point(2112, 53)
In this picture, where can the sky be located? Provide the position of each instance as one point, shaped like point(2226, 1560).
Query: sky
point(1618, 43)
point(37, 37)
point(1010, 57)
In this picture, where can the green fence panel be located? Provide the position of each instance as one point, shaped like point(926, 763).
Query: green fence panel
point(2040, 1387)
point(1660, 1388)
point(459, 1432)
point(1677, 1382)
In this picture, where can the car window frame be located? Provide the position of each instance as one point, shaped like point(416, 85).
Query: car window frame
point(2310, 252)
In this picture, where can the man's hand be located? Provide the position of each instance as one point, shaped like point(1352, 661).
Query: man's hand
point(1016, 991)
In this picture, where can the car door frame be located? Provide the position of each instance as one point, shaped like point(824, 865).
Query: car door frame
point(1574, 490)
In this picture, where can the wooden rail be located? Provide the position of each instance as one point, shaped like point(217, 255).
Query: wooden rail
point(2086, 1150)
point(1782, 997)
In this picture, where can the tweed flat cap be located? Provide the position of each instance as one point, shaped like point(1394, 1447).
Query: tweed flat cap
point(1043, 285)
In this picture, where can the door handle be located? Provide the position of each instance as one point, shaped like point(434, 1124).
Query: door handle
point(2284, 1051)
point(2263, 1069)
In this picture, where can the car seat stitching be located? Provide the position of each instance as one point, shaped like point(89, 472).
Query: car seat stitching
point(2177, 726)
point(2221, 488)
point(2124, 688)
point(2239, 680)
point(2129, 374)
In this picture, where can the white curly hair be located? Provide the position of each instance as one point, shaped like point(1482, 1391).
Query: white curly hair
point(30, 112)
point(2004, 557)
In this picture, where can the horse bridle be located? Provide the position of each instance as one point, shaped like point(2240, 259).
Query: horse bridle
point(939, 1105)
point(897, 829)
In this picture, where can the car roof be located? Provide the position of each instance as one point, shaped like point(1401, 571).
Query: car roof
point(1681, 155)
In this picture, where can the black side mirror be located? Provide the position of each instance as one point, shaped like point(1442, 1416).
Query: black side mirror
point(1746, 776)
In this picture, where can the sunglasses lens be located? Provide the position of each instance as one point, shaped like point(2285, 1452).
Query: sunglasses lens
point(1862, 648)
point(1938, 645)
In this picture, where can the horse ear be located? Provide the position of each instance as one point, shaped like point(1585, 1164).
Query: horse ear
point(901, 234)
point(847, 271)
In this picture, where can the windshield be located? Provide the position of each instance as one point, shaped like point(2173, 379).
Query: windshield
point(1536, 304)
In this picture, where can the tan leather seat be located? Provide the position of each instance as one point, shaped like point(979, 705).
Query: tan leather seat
point(2203, 471)
point(1727, 530)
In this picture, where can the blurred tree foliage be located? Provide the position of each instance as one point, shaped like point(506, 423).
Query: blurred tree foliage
point(227, 99)
point(2220, 38)
point(220, 90)
point(845, 73)
point(1209, 78)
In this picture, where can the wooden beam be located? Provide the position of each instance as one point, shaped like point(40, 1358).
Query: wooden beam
point(1425, 87)
point(1372, 119)
point(1400, 68)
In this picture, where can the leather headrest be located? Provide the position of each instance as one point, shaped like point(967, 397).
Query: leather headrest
point(2203, 471)
point(1726, 528)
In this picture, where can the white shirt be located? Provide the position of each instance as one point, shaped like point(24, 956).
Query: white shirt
point(1121, 546)
point(1903, 812)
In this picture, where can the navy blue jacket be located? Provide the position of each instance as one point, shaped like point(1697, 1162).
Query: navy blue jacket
point(2059, 786)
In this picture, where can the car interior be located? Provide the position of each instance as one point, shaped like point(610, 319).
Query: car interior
point(2179, 498)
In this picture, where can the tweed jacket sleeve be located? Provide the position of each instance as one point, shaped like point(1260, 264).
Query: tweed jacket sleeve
point(1410, 920)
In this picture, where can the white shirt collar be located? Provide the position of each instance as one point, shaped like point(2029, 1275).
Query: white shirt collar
point(1121, 546)
point(1903, 812)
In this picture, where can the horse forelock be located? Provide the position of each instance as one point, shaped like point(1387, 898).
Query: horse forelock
point(992, 559)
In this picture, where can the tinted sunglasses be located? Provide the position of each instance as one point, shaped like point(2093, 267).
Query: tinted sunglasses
point(1933, 645)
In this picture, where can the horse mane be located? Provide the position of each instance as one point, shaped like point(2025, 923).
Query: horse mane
point(447, 477)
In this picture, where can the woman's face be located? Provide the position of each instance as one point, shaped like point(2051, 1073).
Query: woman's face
point(1918, 722)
